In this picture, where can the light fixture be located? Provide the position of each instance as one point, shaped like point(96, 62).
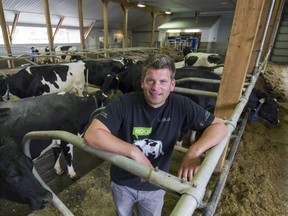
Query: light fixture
point(173, 30)
point(168, 12)
point(192, 30)
point(141, 4)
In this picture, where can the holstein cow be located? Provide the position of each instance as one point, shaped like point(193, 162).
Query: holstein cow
point(68, 53)
point(17, 183)
point(199, 59)
point(126, 81)
point(45, 79)
point(130, 80)
point(96, 71)
point(49, 112)
point(67, 77)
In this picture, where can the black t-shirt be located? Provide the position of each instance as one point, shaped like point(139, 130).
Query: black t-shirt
point(153, 130)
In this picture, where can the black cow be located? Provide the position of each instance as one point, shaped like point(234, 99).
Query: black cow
point(49, 112)
point(68, 77)
point(17, 183)
point(97, 71)
point(130, 80)
point(126, 81)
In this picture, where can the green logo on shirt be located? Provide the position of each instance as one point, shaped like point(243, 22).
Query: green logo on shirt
point(141, 131)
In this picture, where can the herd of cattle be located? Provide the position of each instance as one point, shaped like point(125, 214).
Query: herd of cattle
point(43, 106)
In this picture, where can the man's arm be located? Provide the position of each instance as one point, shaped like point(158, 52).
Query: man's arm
point(99, 136)
point(211, 136)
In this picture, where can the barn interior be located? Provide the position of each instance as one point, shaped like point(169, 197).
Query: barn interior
point(251, 34)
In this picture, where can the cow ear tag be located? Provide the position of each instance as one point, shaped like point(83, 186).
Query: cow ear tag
point(117, 78)
point(254, 117)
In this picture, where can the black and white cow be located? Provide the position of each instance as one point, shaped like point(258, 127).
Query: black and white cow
point(45, 79)
point(68, 77)
point(199, 59)
point(68, 53)
point(97, 71)
point(49, 112)
point(269, 109)
point(17, 182)
point(126, 81)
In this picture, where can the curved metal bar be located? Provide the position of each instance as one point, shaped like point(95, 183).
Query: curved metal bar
point(162, 179)
point(55, 200)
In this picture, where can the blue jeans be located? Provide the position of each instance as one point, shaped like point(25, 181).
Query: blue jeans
point(148, 203)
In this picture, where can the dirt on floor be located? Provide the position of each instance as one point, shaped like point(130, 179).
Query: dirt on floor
point(256, 185)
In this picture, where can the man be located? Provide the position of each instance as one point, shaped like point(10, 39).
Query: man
point(148, 123)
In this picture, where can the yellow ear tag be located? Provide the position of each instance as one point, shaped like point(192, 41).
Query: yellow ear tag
point(117, 78)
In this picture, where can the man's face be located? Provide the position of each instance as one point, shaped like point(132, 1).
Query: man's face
point(157, 85)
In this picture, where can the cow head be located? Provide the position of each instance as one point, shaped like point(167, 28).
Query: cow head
point(100, 98)
point(268, 109)
point(111, 82)
point(17, 182)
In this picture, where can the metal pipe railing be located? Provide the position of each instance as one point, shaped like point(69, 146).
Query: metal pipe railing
point(197, 79)
point(188, 204)
point(215, 196)
point(155, 176)
point(195, 92)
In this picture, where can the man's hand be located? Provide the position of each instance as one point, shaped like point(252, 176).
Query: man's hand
point(137, 155)
point(189, 167)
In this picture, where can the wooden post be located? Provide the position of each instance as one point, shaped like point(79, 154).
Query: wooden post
point(240, 46)
point(80, 12)
point(154, 15)
point(48, 25)
point(5, 34)
point(105, 24)
point(125, 26)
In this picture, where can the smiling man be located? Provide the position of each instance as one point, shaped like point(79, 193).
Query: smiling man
point(147, 124)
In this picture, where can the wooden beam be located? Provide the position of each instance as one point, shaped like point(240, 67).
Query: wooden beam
point(125, 9)
point(153, 15)
point(240, 46)
point(15, 21)
point(105, 23)
point(81, 28)
point(89, 29)
point(58, 27)
point(5, 34)
point(48, 25)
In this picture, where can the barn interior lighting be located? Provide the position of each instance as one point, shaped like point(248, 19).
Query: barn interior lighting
point(168, 12)
point(141, 4)
point(192, 30)
point(173, 30)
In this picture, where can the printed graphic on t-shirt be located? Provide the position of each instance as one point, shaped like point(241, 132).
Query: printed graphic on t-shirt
point(150, 147)
point(141, 131)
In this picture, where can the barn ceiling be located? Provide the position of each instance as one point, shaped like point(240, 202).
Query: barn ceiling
point(31, 12)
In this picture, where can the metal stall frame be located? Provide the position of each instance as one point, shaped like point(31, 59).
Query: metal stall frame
point(191, 193)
